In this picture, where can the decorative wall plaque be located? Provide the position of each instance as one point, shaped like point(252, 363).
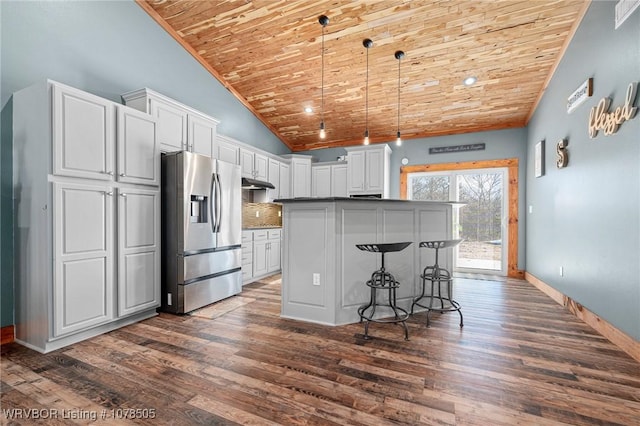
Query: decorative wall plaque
point(457, 148)
point(601, 119)
point(563, 154)
point(580, 95)
point(538, 165)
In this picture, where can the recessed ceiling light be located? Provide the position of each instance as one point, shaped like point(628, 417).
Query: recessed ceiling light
point(469, 81)
point(308, 110)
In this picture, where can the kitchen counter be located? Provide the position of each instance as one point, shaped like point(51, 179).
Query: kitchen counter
point(255, 228)
point(324, 274)
point(359, 200)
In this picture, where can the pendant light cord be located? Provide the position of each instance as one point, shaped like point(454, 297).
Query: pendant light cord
point(366, 106)
point(398, 96)
point(322, 79)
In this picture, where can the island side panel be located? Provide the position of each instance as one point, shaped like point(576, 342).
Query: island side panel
point(308, 249)
point(357, 224)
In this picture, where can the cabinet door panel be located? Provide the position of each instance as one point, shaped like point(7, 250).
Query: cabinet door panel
point(83, 295)
point(83, 219)
point(339, 181)
point(83, 137)
point(320, 181)
point(274, 178)
point(285, 181)
point(301, 180)
point(139, 275)
point(246, 163)
point(261, 167)
point(138, 250)
point(83, 257)
point(274, 255)
point(374, 170)
point(260, 261)
point(202, 135)
point(227, 152)
point(172, 126)
point(138, 155)
point(356, 171)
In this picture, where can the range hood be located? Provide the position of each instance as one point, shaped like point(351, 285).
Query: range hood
point(248, 183)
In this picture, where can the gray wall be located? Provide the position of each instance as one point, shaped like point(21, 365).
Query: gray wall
point(586, 217)
point(105, 48)
point(500, 144)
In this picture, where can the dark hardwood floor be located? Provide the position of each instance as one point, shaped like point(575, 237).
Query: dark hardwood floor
point(520, 359)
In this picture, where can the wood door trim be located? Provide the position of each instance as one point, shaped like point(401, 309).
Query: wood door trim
point(7, 334)
point(511, 164)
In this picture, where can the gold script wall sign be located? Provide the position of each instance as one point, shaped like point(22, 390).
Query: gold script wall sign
point(600, 119)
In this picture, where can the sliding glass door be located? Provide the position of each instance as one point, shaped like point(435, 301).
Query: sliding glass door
point(481, 222)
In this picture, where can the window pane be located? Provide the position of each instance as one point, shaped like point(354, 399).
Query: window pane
point(430, 188)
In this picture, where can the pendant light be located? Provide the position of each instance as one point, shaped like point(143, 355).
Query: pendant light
point(324, 21)
point(367, 43)
point(399, 55)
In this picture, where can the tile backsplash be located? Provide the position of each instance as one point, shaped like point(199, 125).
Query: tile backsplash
point(260, 215)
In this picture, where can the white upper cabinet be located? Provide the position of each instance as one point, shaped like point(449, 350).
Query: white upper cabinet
point(300, 175)
point(226, 150)
point(137, 147)
point(254, 165)
point(274, 179)
point(201, 135)
point(368, 170)
point(320, 180)
point(261, 165)
point(329, 180)
point(172, 125)
point(83, 134)
point(180, 128)
point(285, 181)
point(339, 180)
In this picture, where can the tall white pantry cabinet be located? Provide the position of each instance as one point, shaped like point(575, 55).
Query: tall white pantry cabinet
point(87, 204)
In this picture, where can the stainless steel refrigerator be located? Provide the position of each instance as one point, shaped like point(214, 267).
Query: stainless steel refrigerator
point(201, 231)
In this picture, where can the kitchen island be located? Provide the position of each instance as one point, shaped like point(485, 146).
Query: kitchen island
point(323, 273)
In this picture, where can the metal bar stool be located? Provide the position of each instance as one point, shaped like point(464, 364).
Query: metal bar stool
point(437, 274)
point(382, 280)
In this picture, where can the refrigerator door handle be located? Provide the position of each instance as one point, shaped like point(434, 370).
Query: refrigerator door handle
point(218, 203)
point(212, 205)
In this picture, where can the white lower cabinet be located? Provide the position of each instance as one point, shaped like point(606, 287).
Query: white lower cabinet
point(138, 250)
point(83, 252)
point(261, 253)
point(260, 262)
point(273, 250)
point(247, 256)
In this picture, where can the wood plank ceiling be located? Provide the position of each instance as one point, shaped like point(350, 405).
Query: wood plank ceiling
point(268, 53)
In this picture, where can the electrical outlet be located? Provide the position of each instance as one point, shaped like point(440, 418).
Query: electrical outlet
point(530, 208)
point(561, 271)
point(279, 213)
point(316, 279)
point(257, 213)
point(169, 299)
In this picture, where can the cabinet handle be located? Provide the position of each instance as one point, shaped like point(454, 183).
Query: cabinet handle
point(122, 194)
point(109, 173)
point(123, 175)
point(109, 193)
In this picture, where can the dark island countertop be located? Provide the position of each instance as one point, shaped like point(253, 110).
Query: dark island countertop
point(358, 200)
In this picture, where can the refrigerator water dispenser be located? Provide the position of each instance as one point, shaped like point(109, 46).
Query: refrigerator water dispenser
point(198, 209)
